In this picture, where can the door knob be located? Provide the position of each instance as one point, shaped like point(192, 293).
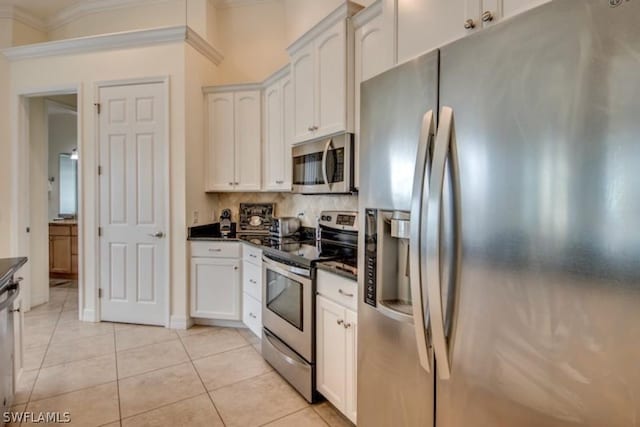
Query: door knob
point(158, 234)
point(469, 24)
point(487, 16)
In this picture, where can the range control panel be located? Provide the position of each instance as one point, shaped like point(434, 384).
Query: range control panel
point(370, 256)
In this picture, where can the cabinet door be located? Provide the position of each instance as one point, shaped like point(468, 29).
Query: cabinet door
point(331, 80)
point(302, 75)
point(274, 169)
point(248, 152)
point(18, 331)
point(427, 24)
point(372, 56)
point(60, 254)
point(220, 164)
point(331, 351)
point(287, 129)
point(252, 314)
point(215, 288)
point(351, 371)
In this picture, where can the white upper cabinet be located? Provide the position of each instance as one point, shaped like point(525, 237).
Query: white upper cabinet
point(277, 133)
point(248, 148)
point(373, 54)
point(322, 76)
point(234, 140)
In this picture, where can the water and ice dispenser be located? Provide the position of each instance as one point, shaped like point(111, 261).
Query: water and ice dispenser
point(388, 287)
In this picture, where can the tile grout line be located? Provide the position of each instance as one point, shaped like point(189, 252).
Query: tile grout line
point(202, 381)
point(293, 413)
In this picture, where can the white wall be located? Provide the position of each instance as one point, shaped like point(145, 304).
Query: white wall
point(253, 41)
point(62, 139)
point(84, 71)
point(5, 149)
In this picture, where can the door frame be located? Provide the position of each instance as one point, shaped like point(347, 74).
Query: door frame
point(98, 85)
point(21, 153)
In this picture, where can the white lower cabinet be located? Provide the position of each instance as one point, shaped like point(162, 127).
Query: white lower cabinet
point(18, 330)
point(216, 289)
point(336, 348)
point(252, 288)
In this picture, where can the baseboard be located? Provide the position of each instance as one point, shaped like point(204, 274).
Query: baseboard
point(89, 315)
point(180, 322)
point(223, 323)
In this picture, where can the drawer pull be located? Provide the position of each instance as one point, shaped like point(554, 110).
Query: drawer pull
point(215, 250)
point(346, 294)
point(253, 281)
point(253, 315)
point(253, 256)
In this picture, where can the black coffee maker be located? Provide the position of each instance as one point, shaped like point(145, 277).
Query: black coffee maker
point(225, 223)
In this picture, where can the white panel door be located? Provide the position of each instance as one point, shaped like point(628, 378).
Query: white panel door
point(302, 75)
point(372, 56)
point(331, 77)
point(215, 288)
point(220, 164)
point(274, 141)
point(248, 147)
point(331, 351)
point(133, 204)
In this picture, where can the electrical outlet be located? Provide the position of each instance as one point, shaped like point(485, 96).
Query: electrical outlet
point(196, 216)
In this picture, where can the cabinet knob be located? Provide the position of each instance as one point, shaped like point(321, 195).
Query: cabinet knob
point(235, 268)
point(347, 325)
point(253, 281)
point(231, 183)
point(469, 24)
point(310, 128)
point(252, 315)
point(340, 321)
point(236, 183)
point(315, 128)
point(487, 16)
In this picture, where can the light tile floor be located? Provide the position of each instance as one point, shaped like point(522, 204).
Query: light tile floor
point(108, 374)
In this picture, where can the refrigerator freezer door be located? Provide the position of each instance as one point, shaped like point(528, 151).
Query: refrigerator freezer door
point(393, 386)
point(546, 111)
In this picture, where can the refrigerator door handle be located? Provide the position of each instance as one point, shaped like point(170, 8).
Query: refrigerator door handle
point(419, 306)
point(431, 245)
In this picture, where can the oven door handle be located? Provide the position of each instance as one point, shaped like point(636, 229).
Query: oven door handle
point(12, 291)
point(286, 354)
point(291, 272)
point(324, 162)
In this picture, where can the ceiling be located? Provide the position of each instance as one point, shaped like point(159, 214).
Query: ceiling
point(40, 8)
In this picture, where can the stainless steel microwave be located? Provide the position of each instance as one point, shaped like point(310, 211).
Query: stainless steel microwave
point(324, 165)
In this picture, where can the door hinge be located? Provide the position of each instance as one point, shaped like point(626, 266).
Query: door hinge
point(99, 292)
point(99, 231)
point(97, 104)
point(99, 170)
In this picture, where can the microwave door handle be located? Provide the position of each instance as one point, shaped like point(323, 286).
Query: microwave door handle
point(324, 162)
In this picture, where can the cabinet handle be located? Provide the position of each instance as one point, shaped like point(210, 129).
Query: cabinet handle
point(17, 310)
point(253, 315)
point(487, 16)
point(279, 182)
point(340, 321)
point(469, 24)
point(346, 294)
point(347, 325)
point(253, 281)
point(315, 128)
point(253, 256)
point(215, 250)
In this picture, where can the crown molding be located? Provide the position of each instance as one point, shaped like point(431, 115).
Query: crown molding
point(232, 88)
point(342, 12)
point(87, 7)
point(21, 15)
point(367, 14)
point(126, 39)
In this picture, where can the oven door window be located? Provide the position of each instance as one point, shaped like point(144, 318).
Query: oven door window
point(284, 298)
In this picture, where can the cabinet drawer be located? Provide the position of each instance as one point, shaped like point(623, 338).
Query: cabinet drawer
point(252, 254)
point(338, 289)
point(252, 280)
point(59, 230)
point(215, 249)
point(252, 313)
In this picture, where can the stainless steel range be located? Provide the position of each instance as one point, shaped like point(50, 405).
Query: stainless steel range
point(288, 303)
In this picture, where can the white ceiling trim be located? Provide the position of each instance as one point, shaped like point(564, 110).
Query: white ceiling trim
point(87, 7)
point(225, 4)
point(127, 39)
point(21, 15)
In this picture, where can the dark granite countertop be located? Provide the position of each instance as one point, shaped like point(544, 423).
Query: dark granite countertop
point(8, 267)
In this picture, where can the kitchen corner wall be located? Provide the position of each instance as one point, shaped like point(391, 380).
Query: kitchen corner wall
point(287, 204)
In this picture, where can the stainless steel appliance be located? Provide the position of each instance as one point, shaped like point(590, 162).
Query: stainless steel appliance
point(288, 303)
point(9, 291)
point(324, 165)
point(519, 308)
point(284, 226)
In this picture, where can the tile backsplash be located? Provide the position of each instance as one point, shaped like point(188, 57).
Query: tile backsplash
point(288, 204)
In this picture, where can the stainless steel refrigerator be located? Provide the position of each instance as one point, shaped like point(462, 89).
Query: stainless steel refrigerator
point(500, 258)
